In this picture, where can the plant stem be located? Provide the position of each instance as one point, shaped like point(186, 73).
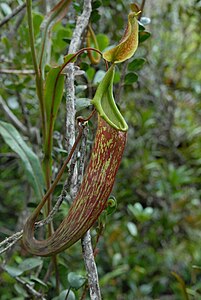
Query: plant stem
point(39, 81)
point(81, 25)
point(31, 36)
point(90, 266)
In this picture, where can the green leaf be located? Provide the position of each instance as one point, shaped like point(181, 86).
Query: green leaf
point(30, 263)
point(30, 161)
point(130, 78)
point(6, 8)
point(80, 88)
point(111, 205)
point(76, 281)
point(117, 77)
point(90, 73)
point(145, 20)
point(21, 291)
point(60, 36)
point(96, 4)
point(62, 296)
point(82, 103)
point(53, 93)
point(103, 41)
point(36, 279)
point(132, 228)
point(12, 271)
point(142, 215)
point(37, 20)
point(98, 76)
point(113, 274)
point(68, 57)
point(141, 26)
point(143, 36)
point(136, 64)
point(95, 16)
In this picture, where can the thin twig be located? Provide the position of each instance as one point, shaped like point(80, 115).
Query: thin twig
point(13, 30)
point(87, 249)
point(81, 25)
point(17, 72)
point(142, 8)
point(31, 36)
point(39, 81)
point(30, 289)
point(16, 11)
point(90, 266)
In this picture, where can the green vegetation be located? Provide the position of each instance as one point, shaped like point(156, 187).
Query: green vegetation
point(150, 245)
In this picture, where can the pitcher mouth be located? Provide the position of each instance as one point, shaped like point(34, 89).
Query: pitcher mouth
point(105, 104)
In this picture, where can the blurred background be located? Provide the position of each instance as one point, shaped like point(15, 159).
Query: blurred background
point(151, 245)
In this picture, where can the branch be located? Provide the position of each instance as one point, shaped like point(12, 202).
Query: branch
point(17, 72)
point(31, 36)
point(90, 266)
point(30, 289)
point(87, 249)
point(16, 11)
point(142, 8)
point(81, 25)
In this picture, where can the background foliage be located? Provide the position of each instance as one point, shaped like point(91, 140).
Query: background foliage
point(156, 228)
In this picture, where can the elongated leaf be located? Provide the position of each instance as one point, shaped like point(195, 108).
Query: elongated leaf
point(30, 161)
point(30, 263)
point(82, 103)
point(12, 271)
point(53, 94)
point(54, 89)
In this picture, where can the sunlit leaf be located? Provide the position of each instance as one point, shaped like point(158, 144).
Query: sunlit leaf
point(13, 271)
point(82, 103)
point(132, 228)
point(103, 41)
point(30, 263)
point(6, 8)
point(30, 161)
point(98, 76)
point(76, 281)
point(145, 20)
